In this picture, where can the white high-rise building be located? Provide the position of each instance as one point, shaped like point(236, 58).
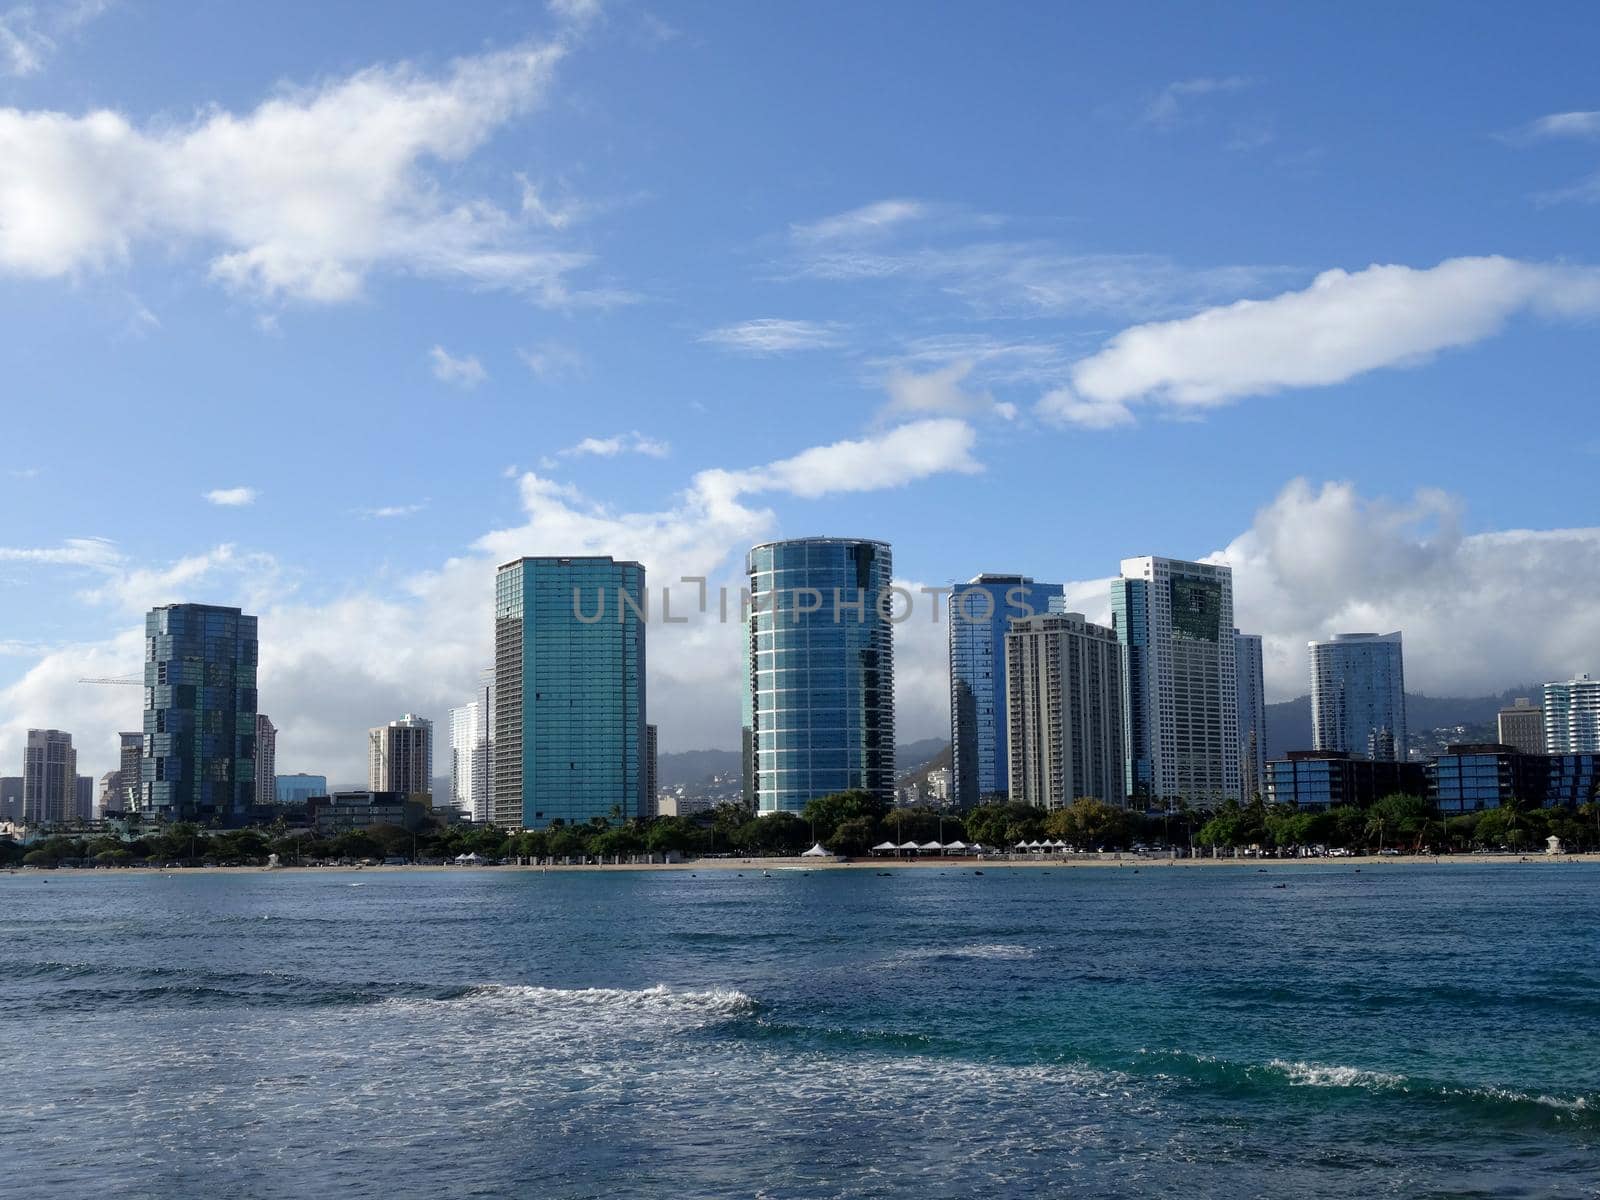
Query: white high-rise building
point(1572, 716)
point(1175, 622)
point(1063, 711)
point(472, 751)
point(1252, 703)
point(1358, 695)
point(401, 758)
point(49, 778)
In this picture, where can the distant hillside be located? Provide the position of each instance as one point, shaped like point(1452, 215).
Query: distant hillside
point(690, 768)
point(1289, 723)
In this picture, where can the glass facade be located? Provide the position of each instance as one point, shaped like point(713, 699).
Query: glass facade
point(569, 692)
point(1358, 695)
point(1572, 716)
point(980, 615)
point(199, 760)
point(297, 789)
point(820, 661)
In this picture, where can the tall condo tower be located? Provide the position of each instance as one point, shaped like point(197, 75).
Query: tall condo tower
point(1252, 700)
point(266, 760)
point(49, 778)
point(1572, 716)
point(1521, 726)
point(1358, 695)
point(569, 691)
point(981, 612)
point(472, 751)
point(199, 761)
point(1064, 711)
point(400, 757)
point(819, 656)
point(1175, 622)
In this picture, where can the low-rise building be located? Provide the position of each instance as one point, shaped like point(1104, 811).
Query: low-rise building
point(1314, 780)
point(346, 812)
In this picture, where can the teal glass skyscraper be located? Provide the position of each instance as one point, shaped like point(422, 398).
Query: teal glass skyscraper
point(819, 656)
point(981, 612)
point(199, 758)
point(569, 692)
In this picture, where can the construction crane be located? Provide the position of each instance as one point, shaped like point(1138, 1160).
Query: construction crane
point(120, 680)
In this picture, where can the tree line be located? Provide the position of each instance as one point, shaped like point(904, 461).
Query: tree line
point(851, 823)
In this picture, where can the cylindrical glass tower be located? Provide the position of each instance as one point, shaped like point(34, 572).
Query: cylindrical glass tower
point(819, 710)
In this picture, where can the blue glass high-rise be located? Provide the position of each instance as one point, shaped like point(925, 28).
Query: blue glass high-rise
point(981, 612)
point(1358, 695)
point(199, 760)
point(819, 653)
point(569, 692)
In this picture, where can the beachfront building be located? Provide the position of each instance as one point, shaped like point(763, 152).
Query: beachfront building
point(1252, 705)
point(472, 751)
point(652, 785)
point(980, 615)
point(1522, 726)
point(819, 658)
point(199, 755)
point(1358, 695)
point(1175, 621)
point(1572, 716)
point(1314, 780)
point(400, 756)
point(1063, 711)
point(49, 777)
point(266, 761)
point(569, 692)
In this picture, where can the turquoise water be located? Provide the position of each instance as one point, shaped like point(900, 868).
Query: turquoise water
point(1407, 1031)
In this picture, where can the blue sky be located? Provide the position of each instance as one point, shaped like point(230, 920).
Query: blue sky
point(418, 292)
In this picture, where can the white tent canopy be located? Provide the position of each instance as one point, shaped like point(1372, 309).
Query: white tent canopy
point(816, 851)
point(931, 846)
point(468, 858)
point(908, 846)
point(886, 846)
point(955, 845)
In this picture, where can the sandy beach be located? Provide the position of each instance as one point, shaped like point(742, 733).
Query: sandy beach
point(744, 865)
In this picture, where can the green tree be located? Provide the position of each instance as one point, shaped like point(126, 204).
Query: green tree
point(826, 813)
point(1089, 824)
point(853, 837)
point(1003, 825)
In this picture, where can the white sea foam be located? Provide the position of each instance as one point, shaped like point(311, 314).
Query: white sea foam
point(1303, 1074)
point(715, 1002)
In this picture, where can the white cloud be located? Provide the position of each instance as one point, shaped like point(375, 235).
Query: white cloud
point(73, 552)
point(30, 33)
point(1323, 560)
point(391, 511)
point(302, 197)
point(868, 221)
point(772, 335)
point(234, 497)
point(900, 456)
point(1343, 325)
point(941, 391)
point(552, 360)
point(221, 575)
point(465, 372)
point(1167, 105)
point(633, 442)
point(23, 472)
point(1584, 125)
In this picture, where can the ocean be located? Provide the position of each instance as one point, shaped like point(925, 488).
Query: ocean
point(1283, 1031)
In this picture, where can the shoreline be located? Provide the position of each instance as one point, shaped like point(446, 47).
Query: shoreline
point(740, 865)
